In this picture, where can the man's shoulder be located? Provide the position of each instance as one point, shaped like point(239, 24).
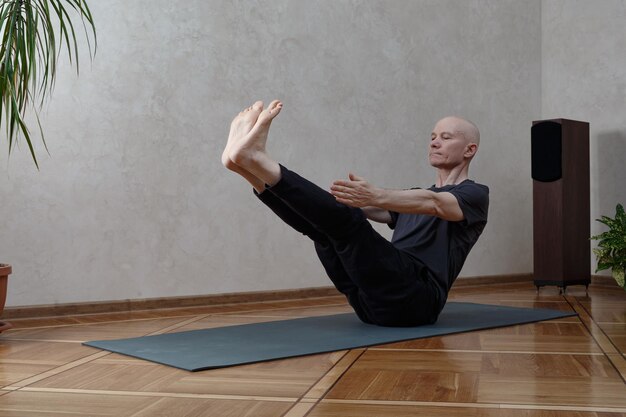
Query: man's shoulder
point(471, 193)
point(465, 185)
point(471, 184)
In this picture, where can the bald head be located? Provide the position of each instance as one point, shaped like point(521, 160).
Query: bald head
point(453, 143)
point(463, 127)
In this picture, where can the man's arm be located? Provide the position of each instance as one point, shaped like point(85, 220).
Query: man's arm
point(377, 214)
point(357, 192)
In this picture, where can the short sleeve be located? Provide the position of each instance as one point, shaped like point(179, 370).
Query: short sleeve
point(473, 200)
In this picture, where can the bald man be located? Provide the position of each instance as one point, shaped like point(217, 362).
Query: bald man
point(404, 282)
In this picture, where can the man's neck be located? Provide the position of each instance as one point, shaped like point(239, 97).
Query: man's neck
point(452, 176)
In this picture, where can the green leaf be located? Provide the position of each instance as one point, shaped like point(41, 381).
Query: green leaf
point(28, 55)
point(611, 250)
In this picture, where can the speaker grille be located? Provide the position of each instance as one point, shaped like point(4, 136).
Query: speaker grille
point(546, 148)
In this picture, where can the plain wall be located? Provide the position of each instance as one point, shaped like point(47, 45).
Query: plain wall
point(584, 78)
point(133, 202)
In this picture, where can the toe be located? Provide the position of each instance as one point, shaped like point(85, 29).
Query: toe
point(274, 108)
point(258, 106)
point(252, 114)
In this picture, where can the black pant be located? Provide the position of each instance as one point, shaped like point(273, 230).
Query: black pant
point(383, 284)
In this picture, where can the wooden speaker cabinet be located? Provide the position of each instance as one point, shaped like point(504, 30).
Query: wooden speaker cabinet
point(561, 202)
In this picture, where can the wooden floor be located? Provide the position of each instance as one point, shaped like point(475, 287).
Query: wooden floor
point(566, 367)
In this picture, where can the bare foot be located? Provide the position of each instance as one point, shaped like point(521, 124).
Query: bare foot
point(247, 145)
point(240, 126)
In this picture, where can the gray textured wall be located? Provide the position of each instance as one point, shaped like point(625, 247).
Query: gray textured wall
point(133, 201)
point(584, 78)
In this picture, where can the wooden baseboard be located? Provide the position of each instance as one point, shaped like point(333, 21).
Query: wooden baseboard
point(71, 309)
point(117, 306)
point(492, 279)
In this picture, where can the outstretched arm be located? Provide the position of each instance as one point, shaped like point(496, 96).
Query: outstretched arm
point(357, 192)
point(377, 214)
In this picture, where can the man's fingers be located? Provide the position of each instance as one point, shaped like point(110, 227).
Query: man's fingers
point(342, 183)
point(351, 178)
point(346, 202)
point(345, 197)
point(340, 188)
point(340, 194)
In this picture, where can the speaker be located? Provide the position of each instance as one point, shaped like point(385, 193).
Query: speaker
point(546, 151)
point(561, 202)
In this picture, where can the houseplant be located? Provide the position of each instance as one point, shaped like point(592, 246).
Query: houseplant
point(611, 250)
point(5, 271)
point(33, 32)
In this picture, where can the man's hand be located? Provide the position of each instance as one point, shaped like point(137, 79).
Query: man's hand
point(355, 192)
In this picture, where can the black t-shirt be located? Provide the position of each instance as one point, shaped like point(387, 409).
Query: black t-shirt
point(441, 245)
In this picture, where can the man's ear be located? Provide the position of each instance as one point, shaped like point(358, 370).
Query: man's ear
point(470, 150)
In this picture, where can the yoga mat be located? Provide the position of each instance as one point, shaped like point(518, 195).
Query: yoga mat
point(197, 350)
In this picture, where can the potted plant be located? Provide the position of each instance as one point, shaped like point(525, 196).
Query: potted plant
point(33, 33)
point(611, 250)
point(5, 271)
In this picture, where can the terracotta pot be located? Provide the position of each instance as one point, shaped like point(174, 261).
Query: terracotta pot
point(5, 271)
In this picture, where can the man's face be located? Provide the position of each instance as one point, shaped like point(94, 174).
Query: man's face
point(447, 145)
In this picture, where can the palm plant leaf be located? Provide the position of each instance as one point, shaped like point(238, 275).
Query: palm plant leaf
point(33, 33)
point(611, 250)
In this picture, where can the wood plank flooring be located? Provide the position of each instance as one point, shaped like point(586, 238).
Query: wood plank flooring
point(574, 367)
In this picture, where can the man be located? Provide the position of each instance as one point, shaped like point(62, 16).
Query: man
point(404, 282)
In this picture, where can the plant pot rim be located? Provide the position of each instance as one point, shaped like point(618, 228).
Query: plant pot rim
point(5, 269)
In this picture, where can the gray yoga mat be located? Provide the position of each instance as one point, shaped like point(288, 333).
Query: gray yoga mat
point(197, 350)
